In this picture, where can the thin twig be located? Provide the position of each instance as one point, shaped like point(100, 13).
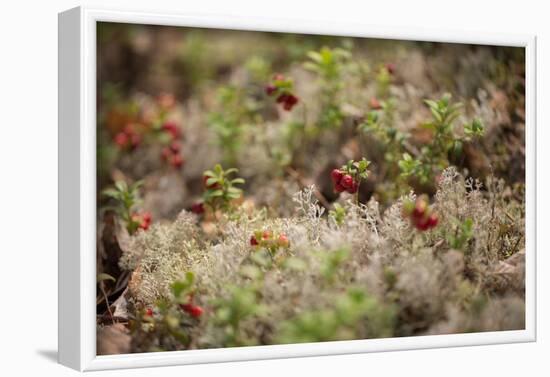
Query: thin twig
point(107, 302)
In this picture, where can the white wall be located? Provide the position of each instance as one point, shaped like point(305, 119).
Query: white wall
point(28, 183)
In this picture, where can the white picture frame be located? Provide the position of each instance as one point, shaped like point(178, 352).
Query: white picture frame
point(77, 191)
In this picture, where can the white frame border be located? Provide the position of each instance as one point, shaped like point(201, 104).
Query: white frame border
point(77, 190)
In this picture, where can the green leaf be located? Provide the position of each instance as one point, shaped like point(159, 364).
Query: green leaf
point(315, 56)
point(103, 276)
point(121, 186)
point(136, 185)
point(232, 195)
point(231, 170)
point(211, 181)
point(431, 104)
point(436, 114)
point(363, 164)
point(190, 277)
point(215, 193)
point(111, 193)
point(237, 181)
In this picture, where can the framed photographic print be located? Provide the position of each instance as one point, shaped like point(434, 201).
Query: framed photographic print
point(236, 189)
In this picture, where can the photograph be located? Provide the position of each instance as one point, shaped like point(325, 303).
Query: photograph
point(262, 188)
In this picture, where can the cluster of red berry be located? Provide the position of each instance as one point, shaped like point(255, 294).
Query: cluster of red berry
point(420, 213)
point(143, 219)
point(190, 308)
point(128, 138)
point(343, 182)
point(269, 240)
point(281, 87)
point(172, 153)
point(172, 129)
point(197, 208)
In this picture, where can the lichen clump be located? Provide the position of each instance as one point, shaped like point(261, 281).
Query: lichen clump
point(370, 275)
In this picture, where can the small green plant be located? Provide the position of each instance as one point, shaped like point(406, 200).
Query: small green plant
point(234, 111)
point(433, 157)
point(127, 199)
point(184, 295)
point(331, 262)
point(338, 214)
point(354, 312)
point(241, 304)
point(220, 188)
point(168, 324)
point(379, 124)
point(329, 66)
point(383, 80)
point(462, 234)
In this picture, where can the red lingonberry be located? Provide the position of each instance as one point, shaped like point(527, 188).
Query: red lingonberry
point(283, 241)
point(197, 208)
point(147, 217)
point(253, 241)
point(433, 220)
point(186, 307)
point(420, 208)
point(339, 188)
point(270, 89)
point(267, 234)
point(171, 128)
point(143, 220)
point(336, 175)
point(193, 310)
point(121, 139)
point(176, 161)
point(282, 98)
point(353, 189)
point(290, 101)
point(149, 312)
point(347, 181)
point(175, 146)
point(375, 104)
point(196, 311)
point(422, 224)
